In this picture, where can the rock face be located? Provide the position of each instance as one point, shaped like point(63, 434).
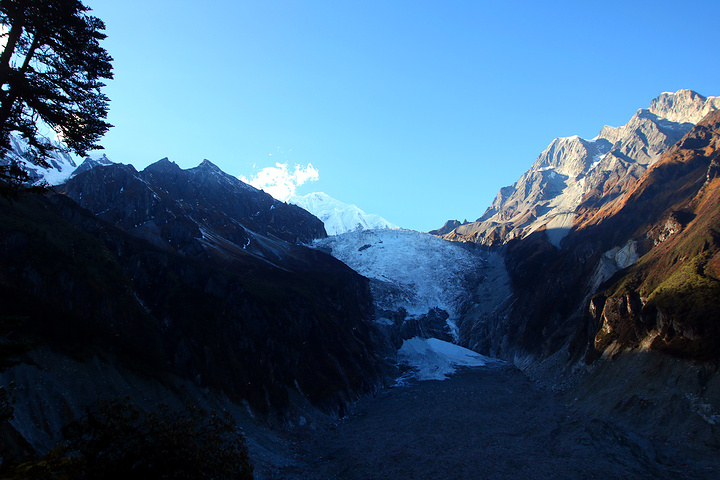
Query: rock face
point(683, 106)
point(182, 210)
point(669, 299)
point(90, 163)
point(573, 173)
point(449, 226)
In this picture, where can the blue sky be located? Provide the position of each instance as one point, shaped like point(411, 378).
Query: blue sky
point(415, 110)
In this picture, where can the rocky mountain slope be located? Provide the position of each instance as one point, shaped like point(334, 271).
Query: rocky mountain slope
point(617, 238)
point(633, 294)
point(670, 298)
point(572, 171)
point(178, 277)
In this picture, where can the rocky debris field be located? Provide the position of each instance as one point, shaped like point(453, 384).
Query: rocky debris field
point(487, 422)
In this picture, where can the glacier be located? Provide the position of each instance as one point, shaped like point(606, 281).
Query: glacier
point(61, 162)
point(412, 270)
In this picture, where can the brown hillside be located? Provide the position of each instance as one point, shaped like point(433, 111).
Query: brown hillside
point(670, 299)
point(668, 185)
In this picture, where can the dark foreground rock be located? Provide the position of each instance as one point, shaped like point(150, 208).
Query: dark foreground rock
point(488, 423)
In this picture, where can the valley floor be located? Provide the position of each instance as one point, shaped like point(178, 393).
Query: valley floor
point(482, 423)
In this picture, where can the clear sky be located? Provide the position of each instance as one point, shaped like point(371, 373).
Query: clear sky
point(418, 111)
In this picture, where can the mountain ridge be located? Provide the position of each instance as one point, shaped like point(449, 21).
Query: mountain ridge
point(182, 210)
point(338, 217)
point(599, 277)
point(571, 170)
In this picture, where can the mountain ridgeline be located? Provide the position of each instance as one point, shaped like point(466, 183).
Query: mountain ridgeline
point(588, 210)
point(179, 209)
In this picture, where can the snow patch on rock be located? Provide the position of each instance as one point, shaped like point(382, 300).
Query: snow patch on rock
point(613, 261)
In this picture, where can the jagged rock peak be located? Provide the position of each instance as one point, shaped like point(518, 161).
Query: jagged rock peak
point(683, 106)
point(162, 165)
point(449, 226)
point(90, 163)
point(571, 155)
point(572, 170)
point(208, 170)
point(207, 164)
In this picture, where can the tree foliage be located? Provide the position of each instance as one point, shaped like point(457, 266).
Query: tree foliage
point(52, 69)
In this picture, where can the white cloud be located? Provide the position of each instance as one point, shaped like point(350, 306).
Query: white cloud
point(280, 182)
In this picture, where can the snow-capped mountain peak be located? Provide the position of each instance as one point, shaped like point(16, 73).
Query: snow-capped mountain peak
point(338, 217)
point(60, 161)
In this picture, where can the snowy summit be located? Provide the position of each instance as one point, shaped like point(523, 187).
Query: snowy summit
point(337, 216)
point(60, 162)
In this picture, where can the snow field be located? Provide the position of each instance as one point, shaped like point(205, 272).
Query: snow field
point(433, 359)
